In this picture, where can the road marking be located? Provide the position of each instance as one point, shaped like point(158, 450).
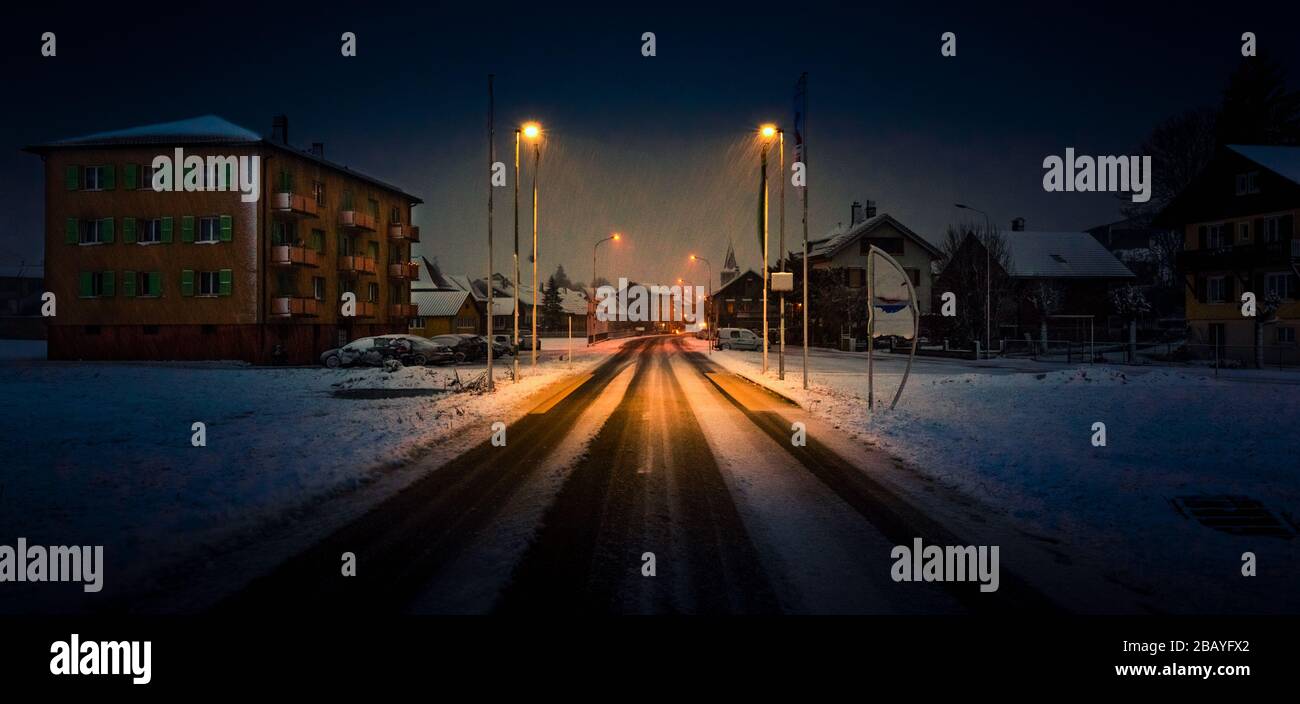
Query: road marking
point(549, 403)
point(750, 395)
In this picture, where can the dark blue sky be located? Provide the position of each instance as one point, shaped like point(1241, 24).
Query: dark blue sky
point(660, 148)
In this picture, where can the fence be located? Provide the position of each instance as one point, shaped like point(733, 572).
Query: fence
point(1173, 353)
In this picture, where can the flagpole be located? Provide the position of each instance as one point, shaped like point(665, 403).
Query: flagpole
point(763, 223)
point(514, 354)
point(803, 156)
point(871, 329)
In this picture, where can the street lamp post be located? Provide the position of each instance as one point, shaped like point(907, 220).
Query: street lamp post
point(780, 257)
point(492, 158)
point(988, 311)
point(615, 237)
point(533, 132)
point(514, 340)
point(708, 337)
point(767, 132)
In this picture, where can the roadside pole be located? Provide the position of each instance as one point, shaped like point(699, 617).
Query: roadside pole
point(871, 329)
point(780, 260)
point(492, 158)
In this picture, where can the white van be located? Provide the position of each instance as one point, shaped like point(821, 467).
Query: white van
point(738, 339)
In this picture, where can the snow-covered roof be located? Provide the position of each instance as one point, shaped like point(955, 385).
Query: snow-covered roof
point(840, 238)
point(1283, 161)
point(436, 304)
point(205, 129)
point(1058, 255)
point(573, 302)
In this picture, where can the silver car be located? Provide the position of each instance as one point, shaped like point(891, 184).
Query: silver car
point(738, 339)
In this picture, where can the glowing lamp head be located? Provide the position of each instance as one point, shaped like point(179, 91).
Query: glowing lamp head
point(617, 237)
point(532, 131)
point(768, 132)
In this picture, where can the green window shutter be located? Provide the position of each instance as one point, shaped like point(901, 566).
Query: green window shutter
point(227, 228)
point(72, 232)
point(128, 284)
point(128, 230)
point(106, 230)
point(187, 282)
point(167, 230)
point(72, 177)
point(109, 179)
point(128, 177)
point(108, 284)
point(225, 277)
point(187, 228)
point(85, 287)
point(155, 282)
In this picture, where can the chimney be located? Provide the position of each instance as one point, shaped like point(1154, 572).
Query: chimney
point(318, 149)
point(870, 211)
point(1018, 225)
point(280, 129)
point(855, 213)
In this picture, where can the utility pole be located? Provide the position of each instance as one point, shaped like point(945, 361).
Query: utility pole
point(780, 258)
point(492, 159)
point(537, 162)
point(803, 156)
point(514, 340)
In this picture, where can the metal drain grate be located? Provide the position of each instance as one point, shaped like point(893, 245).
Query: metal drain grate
point(1238, 515)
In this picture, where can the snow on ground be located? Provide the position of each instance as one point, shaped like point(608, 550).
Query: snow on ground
point(22, 349)
point(1017, 435)
point(100, 453)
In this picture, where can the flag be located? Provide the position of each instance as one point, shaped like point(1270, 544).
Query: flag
point(800, 115)
point(893, 300)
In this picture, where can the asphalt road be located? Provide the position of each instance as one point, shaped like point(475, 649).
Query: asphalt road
point(692, 468)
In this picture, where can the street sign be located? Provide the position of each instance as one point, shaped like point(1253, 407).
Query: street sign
point(782, 281)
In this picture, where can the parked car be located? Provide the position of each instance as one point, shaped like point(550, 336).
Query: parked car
point(463, 347)
point(498, 349)
point(738, 339)
point(504, 343)
point(410, 350)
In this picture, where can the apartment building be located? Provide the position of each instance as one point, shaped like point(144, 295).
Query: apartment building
point(1238, 225)
point(203, 274)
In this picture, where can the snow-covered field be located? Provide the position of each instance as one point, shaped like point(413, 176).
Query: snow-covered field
point(1018, 436)
point(101, 453)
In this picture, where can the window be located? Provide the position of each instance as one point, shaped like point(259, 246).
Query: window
point(318, 240)
point(209, 229)
point(372, 250)
point(286, 181)
point(96, 231)
point(285, 283)
point(1214, 236)
point(395, 216)
point(913, 275)
point(1248, 183)
point(1243, 233)
point(96, 178)
point(209, 283)
point(146, 284)
point(318, 192)
point(1216, 289)
point(347, 200)
point(345, 245)
point(372, 292)
point(318, 288)
point(1285, 336)
point(890, 245)
point(95, 284)
point(148, 231)
point(855, 277)
point(285, 233)
point(1280, 283)
point(418, 323)
point(374, 208)
point(1270, 230)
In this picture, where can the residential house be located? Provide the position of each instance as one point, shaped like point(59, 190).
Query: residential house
point(145, 274)
point(1238, 224)
point(444, 312)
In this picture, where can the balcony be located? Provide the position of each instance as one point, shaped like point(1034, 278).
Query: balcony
point(1241, 257)
point(364, 309)
point(398, 232)
point(285, 255)
point(403, 310)
point(354, 264)
point(404, 271)
point(293, 205)
point(357, 220)
point(293, 307)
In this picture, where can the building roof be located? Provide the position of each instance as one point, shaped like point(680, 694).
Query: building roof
point(830, 245)
point(573, 302)
point(739, 277)
point(1061, 255)
point(439, 304)
point(206, 129)
point(1283, 161)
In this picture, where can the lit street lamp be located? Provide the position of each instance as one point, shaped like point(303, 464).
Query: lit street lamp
point(533, 133)
point(767, 132)
point(988, 311)
point(615, 237)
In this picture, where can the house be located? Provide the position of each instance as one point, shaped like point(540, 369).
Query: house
point(203, 274)
point(21, 288)
point(739, 303)
point(444, 312)
point(846, 250)
point(1045, 274)
point(1238, 224)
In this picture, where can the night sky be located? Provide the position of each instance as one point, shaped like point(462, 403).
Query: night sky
point(660, 148)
